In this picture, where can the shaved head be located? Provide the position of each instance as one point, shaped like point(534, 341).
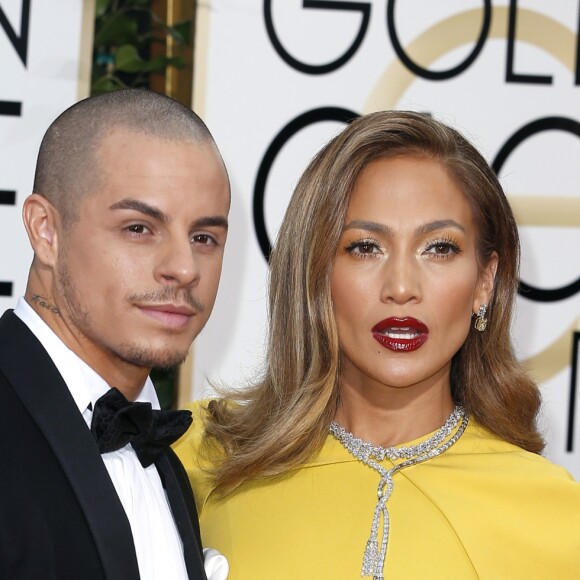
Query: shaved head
point(68, 165)
point(128, 222)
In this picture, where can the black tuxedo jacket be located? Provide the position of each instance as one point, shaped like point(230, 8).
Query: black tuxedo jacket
point(60, 516)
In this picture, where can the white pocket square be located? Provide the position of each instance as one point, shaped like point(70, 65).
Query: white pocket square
point(215, 564)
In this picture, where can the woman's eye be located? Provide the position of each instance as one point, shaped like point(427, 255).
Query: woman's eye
point(443, 249)
point(366, 248)
point(363, 248)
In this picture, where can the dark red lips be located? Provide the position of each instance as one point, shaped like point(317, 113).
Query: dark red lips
point(401, 334)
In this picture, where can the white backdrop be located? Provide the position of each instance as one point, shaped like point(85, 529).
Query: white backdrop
point(41, 44)
point(274, 79)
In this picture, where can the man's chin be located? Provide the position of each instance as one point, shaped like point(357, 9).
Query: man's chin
point(147, 357)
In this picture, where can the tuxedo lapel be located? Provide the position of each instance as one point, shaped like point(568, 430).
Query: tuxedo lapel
point(43, 392)
point(180, 497)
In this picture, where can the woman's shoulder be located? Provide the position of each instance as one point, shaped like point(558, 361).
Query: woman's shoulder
point(197, 456)
point(191, 447)
point(199, 414)
point(488, 448)
point(521, 491)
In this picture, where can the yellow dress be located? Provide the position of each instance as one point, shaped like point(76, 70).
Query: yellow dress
point(483, 509)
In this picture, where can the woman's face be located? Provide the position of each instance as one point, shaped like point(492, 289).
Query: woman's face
point(406, 280)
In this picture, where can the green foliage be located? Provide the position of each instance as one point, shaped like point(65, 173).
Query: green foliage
point(165, 385)
point(126, 31)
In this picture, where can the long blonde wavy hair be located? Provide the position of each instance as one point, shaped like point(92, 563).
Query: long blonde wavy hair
point(282, 420)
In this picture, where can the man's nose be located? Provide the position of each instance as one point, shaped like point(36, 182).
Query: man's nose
point(177, 264)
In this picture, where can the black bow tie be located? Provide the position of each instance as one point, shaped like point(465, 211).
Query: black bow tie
point(117, 421)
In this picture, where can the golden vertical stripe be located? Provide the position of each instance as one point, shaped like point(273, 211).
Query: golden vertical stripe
point(201, 54)
point(86, 50)
point(169, 19)
point(175, 82)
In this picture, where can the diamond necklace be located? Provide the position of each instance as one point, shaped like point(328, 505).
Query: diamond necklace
point(373, 559)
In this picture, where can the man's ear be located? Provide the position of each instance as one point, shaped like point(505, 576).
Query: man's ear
point(486, 283)
point(41, 221)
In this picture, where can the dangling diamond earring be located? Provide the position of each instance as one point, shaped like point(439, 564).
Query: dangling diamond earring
point(480, 323)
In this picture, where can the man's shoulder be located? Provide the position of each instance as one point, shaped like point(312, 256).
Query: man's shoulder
point(12, 328)
point(8, 318)
point(18, 343)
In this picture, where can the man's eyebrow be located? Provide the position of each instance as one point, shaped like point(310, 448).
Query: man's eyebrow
point(211, 221)
point(141, 207)
point(155, 213)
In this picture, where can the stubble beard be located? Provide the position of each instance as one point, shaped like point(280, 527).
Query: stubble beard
point(80, 323)
point(146, 357)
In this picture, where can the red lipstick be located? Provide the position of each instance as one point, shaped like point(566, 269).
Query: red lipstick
point(400, 334)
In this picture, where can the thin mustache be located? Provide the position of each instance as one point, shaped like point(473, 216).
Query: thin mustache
point(168, 295)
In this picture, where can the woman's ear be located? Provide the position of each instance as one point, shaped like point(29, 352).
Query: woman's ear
point(41, 222)
point(486, 283)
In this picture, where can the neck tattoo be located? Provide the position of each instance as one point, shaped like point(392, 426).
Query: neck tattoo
point(369, 454)
point(45, 303)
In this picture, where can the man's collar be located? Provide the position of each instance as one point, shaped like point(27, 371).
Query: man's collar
point(84, 384)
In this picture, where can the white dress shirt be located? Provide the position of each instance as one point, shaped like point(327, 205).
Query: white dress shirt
point(157, 542)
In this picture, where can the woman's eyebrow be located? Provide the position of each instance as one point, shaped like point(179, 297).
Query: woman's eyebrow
point(367, 225)
point(386, 230)
point(439, 225)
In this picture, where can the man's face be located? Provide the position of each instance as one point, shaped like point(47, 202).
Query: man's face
point(137, 272)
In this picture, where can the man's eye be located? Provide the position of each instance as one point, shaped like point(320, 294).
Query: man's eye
point(204, 240)
point(138, 229)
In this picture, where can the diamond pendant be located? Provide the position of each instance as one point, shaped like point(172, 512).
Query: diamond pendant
point(374, 558)
point(370, 558)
